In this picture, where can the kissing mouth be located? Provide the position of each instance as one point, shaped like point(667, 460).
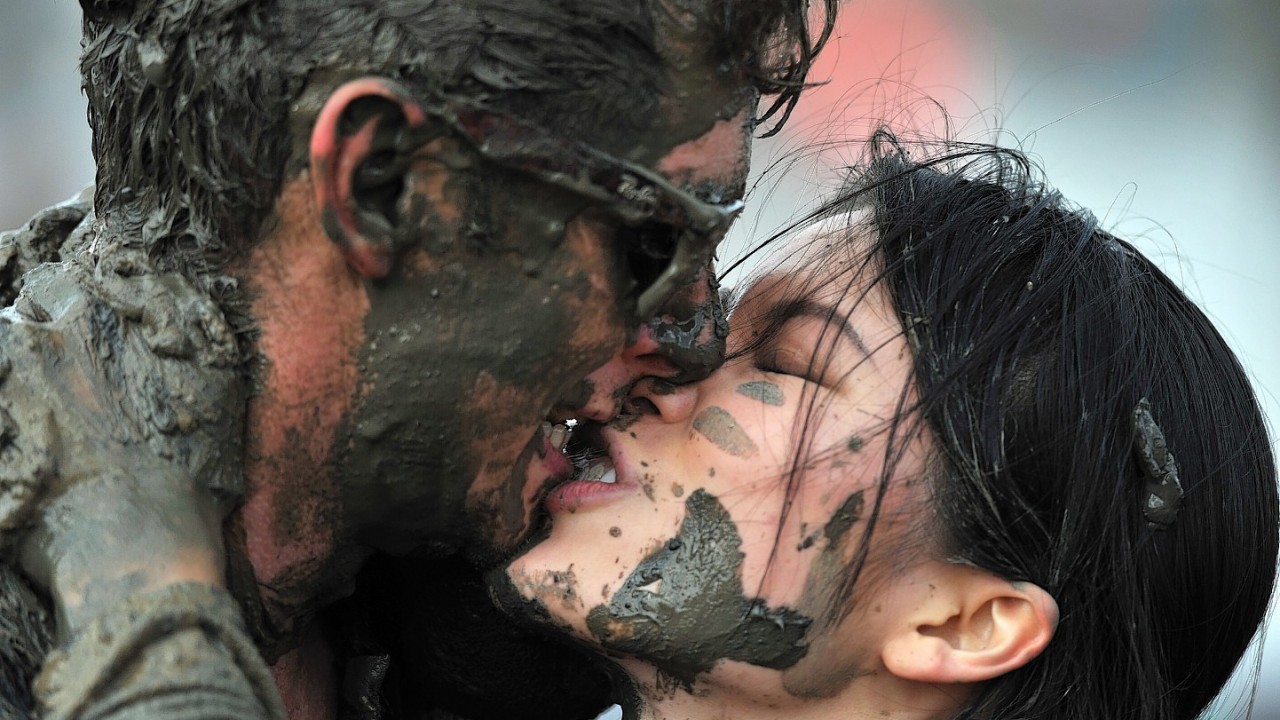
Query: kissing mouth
point(596, 478)
point(566, 450)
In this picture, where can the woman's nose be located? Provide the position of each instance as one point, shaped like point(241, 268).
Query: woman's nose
point(662, 399)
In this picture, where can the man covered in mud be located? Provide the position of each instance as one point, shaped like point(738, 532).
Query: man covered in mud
point(347, 267)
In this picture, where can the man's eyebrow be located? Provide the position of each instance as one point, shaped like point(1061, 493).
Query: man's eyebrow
point(827, 313)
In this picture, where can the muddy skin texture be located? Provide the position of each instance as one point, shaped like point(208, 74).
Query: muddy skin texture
point(26, 619)
point(818, 676)
point(683, 608)
point(401, 434)
point(718, 426)
point(54, 232)
point(693, 330)
point(418, 437)
point(762, 390)
point(120, 431)
point(180, 650)
point(511, 257)
point(445, 380)
point(849, 512)
point(116, 346)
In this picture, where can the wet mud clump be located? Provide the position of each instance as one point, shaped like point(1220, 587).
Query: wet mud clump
point(683, 608)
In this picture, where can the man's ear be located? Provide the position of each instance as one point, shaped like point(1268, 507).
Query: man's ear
point(968, 625)
point(357, 167)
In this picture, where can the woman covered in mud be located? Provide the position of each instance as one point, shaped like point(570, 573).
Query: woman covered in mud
point(971, 457)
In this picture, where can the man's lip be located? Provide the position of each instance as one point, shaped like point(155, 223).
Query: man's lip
point(549, 461)
point(547, 467)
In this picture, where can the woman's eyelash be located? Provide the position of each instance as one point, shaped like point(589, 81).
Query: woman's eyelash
point(766, 360)
point(773, 366)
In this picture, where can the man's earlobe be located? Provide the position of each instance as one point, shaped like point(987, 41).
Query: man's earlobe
point(357, 168)
point(967, 625)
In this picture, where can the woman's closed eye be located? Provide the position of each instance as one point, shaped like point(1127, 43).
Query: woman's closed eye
point(791, 361)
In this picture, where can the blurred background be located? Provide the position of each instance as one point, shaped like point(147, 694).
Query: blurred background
point(1158, 115)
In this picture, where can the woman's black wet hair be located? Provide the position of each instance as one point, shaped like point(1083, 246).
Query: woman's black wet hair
point(1035, 334)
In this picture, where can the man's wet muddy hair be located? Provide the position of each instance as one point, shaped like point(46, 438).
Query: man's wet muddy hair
point(189, 100)
point(1035, 335)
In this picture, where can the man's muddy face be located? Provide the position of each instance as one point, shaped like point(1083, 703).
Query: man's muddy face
point(485, 333)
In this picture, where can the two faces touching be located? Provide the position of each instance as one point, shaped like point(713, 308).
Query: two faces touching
point(916, 488)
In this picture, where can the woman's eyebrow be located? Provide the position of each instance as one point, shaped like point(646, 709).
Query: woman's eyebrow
point(827, 313)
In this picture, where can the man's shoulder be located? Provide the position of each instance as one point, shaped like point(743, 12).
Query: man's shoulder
point(54, 234)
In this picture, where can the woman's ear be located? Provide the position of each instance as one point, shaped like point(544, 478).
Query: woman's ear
point(357, 168)
point(963, 625)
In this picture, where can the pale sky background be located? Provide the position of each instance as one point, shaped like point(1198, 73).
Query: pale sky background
point(1158, 115)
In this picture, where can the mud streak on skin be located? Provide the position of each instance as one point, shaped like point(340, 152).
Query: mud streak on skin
point(764, 391)
point(827, 594)
point(717, 425)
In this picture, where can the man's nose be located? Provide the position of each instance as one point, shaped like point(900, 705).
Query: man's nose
point(683, 344)
point(691, 330)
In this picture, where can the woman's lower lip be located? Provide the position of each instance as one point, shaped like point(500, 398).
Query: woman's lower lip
point(577, 495)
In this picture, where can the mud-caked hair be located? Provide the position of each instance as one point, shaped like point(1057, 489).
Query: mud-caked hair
point(1036, 335)
point(189, 100)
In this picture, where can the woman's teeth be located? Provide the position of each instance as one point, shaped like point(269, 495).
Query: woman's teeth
point(603, 472)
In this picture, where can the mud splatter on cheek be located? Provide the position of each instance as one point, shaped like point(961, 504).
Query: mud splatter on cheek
point(828, 669)
point(718, 426)
point(531, 596)
point(683, 608)
point(762, 390)
point(849, 512)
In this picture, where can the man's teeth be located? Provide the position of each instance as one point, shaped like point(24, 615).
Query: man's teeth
point(558, 434)
point(600, 472)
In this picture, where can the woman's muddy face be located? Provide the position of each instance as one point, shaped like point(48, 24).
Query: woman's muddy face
point(676, 547)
